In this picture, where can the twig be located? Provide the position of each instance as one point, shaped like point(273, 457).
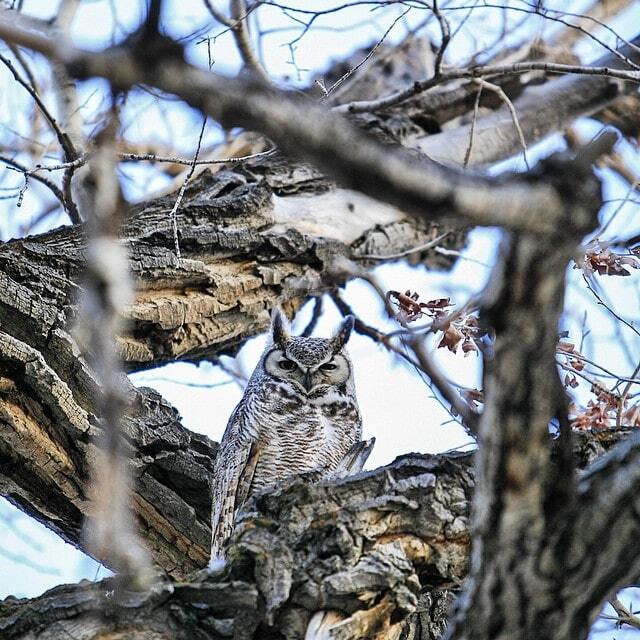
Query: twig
point(625, 394)
point(65, 142)
point(447, 390)
point(194, 385)
point(45, 181)
point(152, 157)
point(315, 316)
point(633, 186)
point(218, 15)
point(625, 615)
point(608, 308)
point(183, 188)
point(63, 139)
point(72, 164)
point(606, 372)
point(149, 157)
point(23, 190)
point(353, 70)
point(445, 30)
point(458, 254)
point(472, 127)
point(512, 110)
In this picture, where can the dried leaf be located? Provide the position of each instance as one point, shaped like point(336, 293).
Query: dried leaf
point(603, 261)
point(570, 381)
point(576, 365)
point(473, 397)
point(468, 346)
point(451, 338)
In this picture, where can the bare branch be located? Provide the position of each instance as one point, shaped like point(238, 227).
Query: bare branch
point(625, 615)
point(109, 530)
point(183, 188)
point(514, 116)
point(240, 30)
point(323, 138)
point(488, 71)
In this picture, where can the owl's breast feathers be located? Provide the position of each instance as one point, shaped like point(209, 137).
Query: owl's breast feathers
point(296, 434)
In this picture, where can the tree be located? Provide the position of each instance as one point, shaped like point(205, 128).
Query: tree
point(351, 172)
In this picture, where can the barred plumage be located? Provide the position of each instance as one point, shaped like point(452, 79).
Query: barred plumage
point(299, 413)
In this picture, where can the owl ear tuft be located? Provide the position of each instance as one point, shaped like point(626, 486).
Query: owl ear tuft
point(342, 335)
point(279, 328)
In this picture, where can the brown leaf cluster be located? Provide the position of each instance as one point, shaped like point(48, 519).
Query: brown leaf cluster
point(463, 331)
point(602, 411)
point(604, 262)
point(458, 330)
point(606, 409)
point(409, 309)
point(573, 361)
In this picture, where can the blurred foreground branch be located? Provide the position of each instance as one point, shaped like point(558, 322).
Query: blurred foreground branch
point(110, 532)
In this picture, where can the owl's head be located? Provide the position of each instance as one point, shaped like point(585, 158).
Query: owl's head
point(312, 366)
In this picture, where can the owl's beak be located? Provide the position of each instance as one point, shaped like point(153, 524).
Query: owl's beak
point(307, 382)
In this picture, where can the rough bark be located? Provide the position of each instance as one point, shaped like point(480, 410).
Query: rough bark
point(360, 548)
point(380, 555)
point(525, 503)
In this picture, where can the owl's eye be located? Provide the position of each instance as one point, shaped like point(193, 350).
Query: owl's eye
point(287, 365)
point(328, 366)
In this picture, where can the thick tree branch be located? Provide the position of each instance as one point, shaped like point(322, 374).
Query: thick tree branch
point(242, 36)
point(47, 443)
point(399, 529)
point(541, 110)
point(524, 537)
point(605, 529)
point(384, 563)
point(300, 128)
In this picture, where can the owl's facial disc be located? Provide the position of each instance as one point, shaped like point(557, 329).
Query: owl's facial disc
point(316, 378)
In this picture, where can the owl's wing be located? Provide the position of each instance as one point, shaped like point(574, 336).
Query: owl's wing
point(354, 460)
point(233, 474)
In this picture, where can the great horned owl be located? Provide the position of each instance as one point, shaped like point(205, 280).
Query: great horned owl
point(299, 414)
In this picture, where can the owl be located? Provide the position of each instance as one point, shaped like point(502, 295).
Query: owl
point(298, 414)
